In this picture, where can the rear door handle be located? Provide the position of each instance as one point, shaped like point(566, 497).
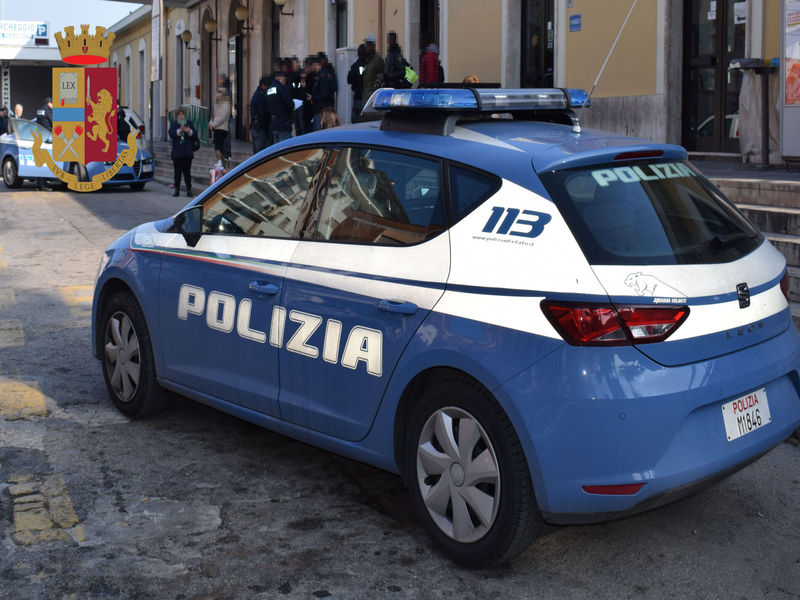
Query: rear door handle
point(397, 306)
point(263, 288)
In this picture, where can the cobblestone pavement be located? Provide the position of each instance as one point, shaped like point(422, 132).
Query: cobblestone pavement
point(194, 504)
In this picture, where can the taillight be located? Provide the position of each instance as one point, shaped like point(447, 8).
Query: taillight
point(652, 324)
point(785, 286)
point(141, 132)
point(607, 325)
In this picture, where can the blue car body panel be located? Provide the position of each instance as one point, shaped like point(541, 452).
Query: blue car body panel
point(586, 416)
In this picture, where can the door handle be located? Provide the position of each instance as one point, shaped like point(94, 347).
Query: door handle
point(263, 288)
point(397, 306)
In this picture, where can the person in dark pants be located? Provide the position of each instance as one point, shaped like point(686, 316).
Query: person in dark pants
point(3, 120)
point(44, 117)
point(259, 116)
point(181, 133)
point(280, 107)
point(355, 78)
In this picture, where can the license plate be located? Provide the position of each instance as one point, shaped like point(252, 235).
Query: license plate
point(147, 168)
point(746, 414)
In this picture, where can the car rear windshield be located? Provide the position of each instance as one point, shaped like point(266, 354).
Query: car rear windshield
point(649, 213)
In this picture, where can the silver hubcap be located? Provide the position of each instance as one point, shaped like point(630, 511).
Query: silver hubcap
point(458, 475)
point(122, 356)
point(9, 172)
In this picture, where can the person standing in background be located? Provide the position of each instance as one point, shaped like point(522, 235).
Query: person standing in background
point(3, 120)
point(219, 123)
point(18, 111)
point(181, 133)
point(329, 118)
point(281, 107)
point(324, 89)
point(429, 65)
point(373, 68)
point(394, 74)
point(259, 116)
point(44, 116)
point(355, 79)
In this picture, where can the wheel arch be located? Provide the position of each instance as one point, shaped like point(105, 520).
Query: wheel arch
point(414, 387)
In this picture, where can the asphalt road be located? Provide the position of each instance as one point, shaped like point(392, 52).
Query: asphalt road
point(194, 504)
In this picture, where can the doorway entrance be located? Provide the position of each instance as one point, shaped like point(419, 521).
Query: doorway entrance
point(714, 34)
point(538, 43)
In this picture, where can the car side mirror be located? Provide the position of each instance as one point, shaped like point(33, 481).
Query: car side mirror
point(190, 224)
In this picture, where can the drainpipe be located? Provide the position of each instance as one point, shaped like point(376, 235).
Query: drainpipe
point(380, 28)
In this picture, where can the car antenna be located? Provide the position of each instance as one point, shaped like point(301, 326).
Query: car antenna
point(576, 128)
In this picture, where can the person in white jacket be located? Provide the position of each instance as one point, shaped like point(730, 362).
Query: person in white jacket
point(219, 121)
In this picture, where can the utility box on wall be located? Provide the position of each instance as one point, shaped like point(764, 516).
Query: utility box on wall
point(344, 100)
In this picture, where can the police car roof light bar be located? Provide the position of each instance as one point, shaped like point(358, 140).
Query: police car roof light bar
point(577, 127)
point(467, 100)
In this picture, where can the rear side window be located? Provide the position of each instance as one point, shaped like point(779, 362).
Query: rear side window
point(379, 197)
point(468, 190)
point(648, 214)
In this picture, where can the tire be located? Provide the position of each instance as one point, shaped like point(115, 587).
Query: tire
point(79, 171)
point(127, 356)
point(499, 510)
point(11, 174)
point(138, 186)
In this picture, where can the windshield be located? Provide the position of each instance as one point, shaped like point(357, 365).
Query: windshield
point(24, 130)
point(649, 214)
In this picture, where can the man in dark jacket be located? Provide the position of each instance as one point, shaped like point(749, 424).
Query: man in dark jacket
point(373, 68)
point(44, 116)
point(355, 78)
point(324, 90)
point(181, 132)
point(394, 74)
point(3, 120)
point(281, 106)
point(259, 116)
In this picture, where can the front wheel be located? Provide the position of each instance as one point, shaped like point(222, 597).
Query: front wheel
point(128, 364)
point(11, 174)
point(468, 478)
point(79, 171)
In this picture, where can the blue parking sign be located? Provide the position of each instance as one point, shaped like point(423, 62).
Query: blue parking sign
point(41, 30)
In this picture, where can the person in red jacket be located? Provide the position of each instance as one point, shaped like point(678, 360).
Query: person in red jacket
point(429, 65)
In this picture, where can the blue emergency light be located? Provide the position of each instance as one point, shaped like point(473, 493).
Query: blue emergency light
point(475, 100)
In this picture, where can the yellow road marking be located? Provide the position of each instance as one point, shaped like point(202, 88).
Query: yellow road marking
point(7, 298)
point(11, 333)
point(79, 299)
point(21, 400)
point(3, 267)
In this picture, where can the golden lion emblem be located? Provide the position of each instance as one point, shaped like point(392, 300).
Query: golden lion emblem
point(100, 111)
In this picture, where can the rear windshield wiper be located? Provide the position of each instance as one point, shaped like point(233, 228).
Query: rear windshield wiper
point(723, 241)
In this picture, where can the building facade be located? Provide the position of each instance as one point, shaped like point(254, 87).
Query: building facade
point(667, 79)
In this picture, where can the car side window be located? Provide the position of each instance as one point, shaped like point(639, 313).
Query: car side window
point(468, 190)
point(380, 197)
point(265, 201)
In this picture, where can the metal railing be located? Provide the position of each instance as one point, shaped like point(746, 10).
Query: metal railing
point(199, 115)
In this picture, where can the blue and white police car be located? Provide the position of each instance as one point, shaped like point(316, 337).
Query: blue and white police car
point(526, 323)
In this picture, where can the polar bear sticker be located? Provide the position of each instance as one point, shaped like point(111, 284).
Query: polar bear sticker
point(647, 285)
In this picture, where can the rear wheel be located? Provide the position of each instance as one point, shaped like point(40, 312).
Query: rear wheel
point(467, 475)
point(11, 174)
point(128, 364)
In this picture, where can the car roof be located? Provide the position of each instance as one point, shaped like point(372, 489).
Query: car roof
point(504, 147)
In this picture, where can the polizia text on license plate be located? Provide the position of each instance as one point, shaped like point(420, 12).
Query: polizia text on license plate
point(746, 414)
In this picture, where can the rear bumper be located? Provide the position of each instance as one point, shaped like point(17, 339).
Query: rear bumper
point(612, 416)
